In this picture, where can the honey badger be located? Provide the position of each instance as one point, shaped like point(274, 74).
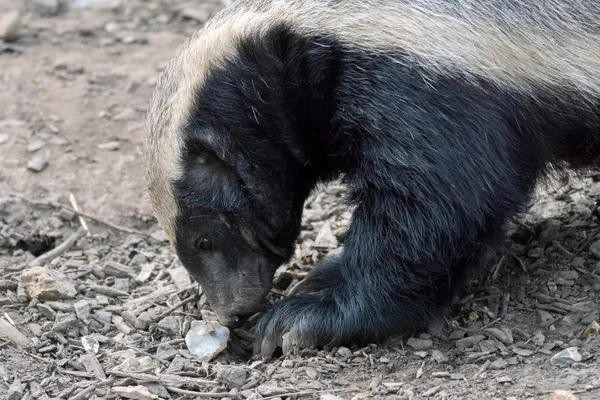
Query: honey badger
point(440, 116)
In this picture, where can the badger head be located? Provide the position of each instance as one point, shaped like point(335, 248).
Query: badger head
point(226, 156)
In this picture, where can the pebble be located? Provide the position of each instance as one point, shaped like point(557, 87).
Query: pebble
point(538, 339)
point(467, 342)
point(504, 335)
point(97, 4)
point(232, 376)
point(83, 310)
point(3, 138)
point(44, 284)
point(169, 325)
point(111, 146)
point(196, 14)
point(343, 352)
point(206, 342)
point(143, 321)
point(566, 357)
point(37, 164)
point(419, 344)
point(90, 344)
point(595, 248)
point(35, 145)
point(591, 317)
point(9, 26)
point(592, 329)
point(563, 395)
point(112, 268)
point(15, 391)
point(46, 8)
point(438, 356)
point(180, 277)
point(134, 392)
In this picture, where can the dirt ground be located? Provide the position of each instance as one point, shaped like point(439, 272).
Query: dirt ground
point(75, 85)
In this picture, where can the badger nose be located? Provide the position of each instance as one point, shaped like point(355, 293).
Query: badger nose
point(231, 321)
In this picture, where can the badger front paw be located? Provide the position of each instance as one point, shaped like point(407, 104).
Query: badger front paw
point(304, 321)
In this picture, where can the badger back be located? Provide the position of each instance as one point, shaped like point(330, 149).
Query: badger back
point(551, 46)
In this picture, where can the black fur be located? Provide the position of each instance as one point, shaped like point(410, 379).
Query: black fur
point(435, 166)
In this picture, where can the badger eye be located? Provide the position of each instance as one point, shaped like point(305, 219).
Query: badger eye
point(203, 244)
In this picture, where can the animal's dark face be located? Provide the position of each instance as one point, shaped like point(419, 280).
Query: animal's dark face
point(226, 238)
point(251, 152)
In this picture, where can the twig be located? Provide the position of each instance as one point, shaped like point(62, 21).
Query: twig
point(199, 394)
point(99, 220)
point(165, 379)
point(176, 306)
point(308, 392)
point(84, 393)
point(58, 250)
point(82, 221)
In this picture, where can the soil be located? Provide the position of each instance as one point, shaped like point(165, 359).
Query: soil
point(75, 86)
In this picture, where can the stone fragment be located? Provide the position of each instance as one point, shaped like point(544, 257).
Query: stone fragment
point(46, 8)
point(37, 164)
point(90, 344)
point(134, 392)
point(83, 310)
point(467, 342)
point(566, 357)
point(563, 395)
point(35, 145)
point(595, 248)
point(180, 277)
point(169, 325)
point(232, 376)
point(592, 329)
point(92, 365)
point(112, 268)
point(143, 321)
point(16, 390)
point(9, 26)
point(110, 146)
point(196, 14)
point(206, 339)
point(419, 344)
point(504, 335)
point(44, 284)
point(343, 352)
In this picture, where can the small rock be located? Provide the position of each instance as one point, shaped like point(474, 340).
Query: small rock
point(419, 344)
point(111, 146)
point(538, 339)
point(143, 321)
point(165, 351)
point(46, 8)
point(325, 238)
point(83, 310)
point(438, 356)
point(37, 164)
point(537, 252)
point(180, 277)
point(287, 364)
point(92, 365)
point(98, 4)
point(467, 342)
point(35, 145)
point(9, 26)
point(134, 392)
point(90, 344)
point(591, 317)
point(112, 268)
point(328, 396)
point(503, 379)
point(522, 352)
point(343, 353)
point(504, 335)
point(563, 395)
point(196, 14)
point(206, 340)
point(566, 357)
point(121, 325)
point(44, 284)
point(169, 325)
point(232, 376)
point(595, 248)
point(15, 391)
point(3, 138)
point(592, 329)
